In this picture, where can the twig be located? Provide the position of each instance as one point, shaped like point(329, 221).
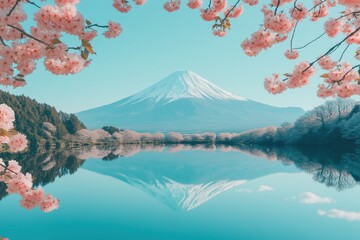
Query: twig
point(310, 42)
point(2, 41)
point(13, 8)
point(32, 3)
point(26, 34)
point(227, 14)
point(277, 6)
point(342, 54)
point(292, 36)
point(97, 25)
point(332, 49)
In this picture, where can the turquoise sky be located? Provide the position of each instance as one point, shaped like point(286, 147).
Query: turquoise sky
point(156, 43)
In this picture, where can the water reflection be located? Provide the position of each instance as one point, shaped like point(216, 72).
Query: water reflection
point(45, 167)
point(339, 168)
point(183, 182)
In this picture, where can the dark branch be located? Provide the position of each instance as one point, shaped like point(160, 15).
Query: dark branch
point(293, 35)
point(97, 25)
point(233, 7)
point(28, 35)
point(342, 54)
point(13, 8)
point(2, 41)
point(32, 3)
point(310, 42)
point(332, 49)
point(277, 7)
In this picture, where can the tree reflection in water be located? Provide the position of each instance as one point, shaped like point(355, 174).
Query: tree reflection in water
point(334, 167)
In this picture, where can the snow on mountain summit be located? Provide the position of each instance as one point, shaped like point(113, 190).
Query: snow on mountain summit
point(184, 84)
point(186, 102)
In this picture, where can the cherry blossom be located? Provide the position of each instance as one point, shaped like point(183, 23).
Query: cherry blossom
point(7, 117)
point(17, 143)
point(291, 54)
point(53, 21)
point(194, 4)
point(172, 5)
point(113, 31)
point(10, 171)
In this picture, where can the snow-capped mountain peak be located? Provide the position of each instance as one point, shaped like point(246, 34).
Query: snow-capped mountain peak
point(183, 84)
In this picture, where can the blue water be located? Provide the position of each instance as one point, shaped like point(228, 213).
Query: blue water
point(190, 195)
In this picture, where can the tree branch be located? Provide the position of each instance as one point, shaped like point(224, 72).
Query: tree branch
point(310, 42)
point(277, 6)
point(332, 49)
point(13, 8)
point(97, 25)
point(2, 41)
point(33, 3)
point(342, 54)
point(227, 14)
point(28, 35)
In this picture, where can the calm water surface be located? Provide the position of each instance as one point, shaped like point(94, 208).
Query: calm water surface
point(182, 192)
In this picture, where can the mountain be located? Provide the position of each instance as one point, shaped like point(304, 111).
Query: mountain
point(186, 180)
point(186, 102)
point(41, 123)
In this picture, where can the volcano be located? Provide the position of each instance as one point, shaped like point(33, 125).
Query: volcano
point(186, 102)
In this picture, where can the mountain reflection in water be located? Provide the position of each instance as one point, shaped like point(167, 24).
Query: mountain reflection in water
point(187, 184)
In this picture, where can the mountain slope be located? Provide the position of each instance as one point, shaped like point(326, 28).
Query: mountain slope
point(184, 101)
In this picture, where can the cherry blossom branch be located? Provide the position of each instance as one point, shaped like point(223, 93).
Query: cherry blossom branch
point(323, 34)
point(337, 81)
point(2, 41)
point(332, 49)
point(352, 13)
point(33, 3)
point(317, 5)
point(28, 35)
point(227, 14)
point(293, 35)
point(342, 54)
point(13, 8)
point(97, 25)
point(277, 6)
point(6, 169)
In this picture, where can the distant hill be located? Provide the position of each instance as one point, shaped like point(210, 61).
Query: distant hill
point(41, 123)
point(186, 102)
point(335, 123)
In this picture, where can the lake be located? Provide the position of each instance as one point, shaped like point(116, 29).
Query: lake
point(191, 192)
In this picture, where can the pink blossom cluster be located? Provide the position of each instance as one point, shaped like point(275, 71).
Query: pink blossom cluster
point(213, 12)
point(113, 31)
point(234, 12)
point(52, 22)
point(300, 76)
point(279, 23)
point(193, 4)
point(333, 27)
point(10, 172)
point(261, 40)
point(321, 10)
point(15, 142)
point(19, 183)
point(299, 12)
point(172, 5)
point(291, 54)
point(7, 117)
point(341, 80)
point(251, 2)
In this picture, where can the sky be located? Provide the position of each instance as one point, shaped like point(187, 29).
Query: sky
point(155, 43)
